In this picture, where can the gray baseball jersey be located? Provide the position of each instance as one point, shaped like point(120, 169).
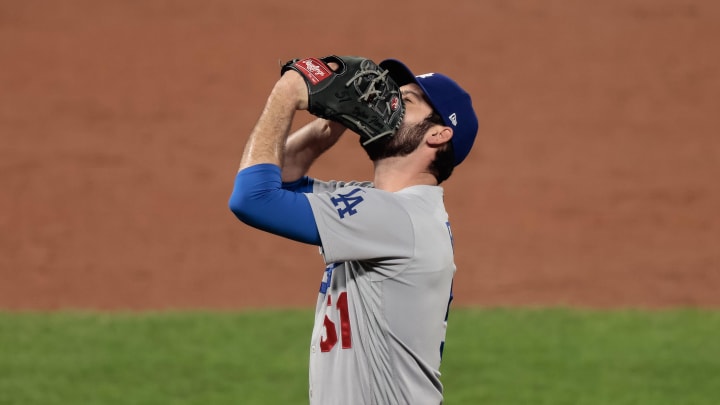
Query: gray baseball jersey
point(381, 314)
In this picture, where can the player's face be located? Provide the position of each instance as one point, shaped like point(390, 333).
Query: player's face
point(413, 129)
point(417, 107)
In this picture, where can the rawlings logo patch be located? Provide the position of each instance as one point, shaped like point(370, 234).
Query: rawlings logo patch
point(313, 69)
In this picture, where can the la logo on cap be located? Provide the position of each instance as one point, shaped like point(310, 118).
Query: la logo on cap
point(453, 118)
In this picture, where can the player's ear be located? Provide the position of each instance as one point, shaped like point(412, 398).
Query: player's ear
point(440, 135)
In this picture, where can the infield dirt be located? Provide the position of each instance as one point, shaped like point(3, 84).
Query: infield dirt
point(593, 181)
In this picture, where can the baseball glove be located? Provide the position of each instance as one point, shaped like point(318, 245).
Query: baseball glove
point(358, 94)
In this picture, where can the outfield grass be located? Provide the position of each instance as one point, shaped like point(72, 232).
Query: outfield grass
point(492, 356)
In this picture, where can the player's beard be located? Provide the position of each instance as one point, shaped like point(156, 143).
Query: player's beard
point(404, 142)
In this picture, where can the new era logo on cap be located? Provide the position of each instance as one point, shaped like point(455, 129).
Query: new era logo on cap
point(450, 100)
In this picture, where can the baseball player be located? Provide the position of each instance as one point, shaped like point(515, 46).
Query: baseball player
point(382, 308)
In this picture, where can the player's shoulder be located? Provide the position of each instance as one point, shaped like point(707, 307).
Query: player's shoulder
point(357, 200)
point(401, 197)
point(408, 202)
point(357, 192)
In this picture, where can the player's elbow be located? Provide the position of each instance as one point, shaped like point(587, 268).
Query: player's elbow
point(254, 189)
point(242, 204)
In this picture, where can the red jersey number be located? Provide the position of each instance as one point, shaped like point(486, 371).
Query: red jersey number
point(331, 337)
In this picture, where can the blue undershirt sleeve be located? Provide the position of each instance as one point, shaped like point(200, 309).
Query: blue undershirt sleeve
point(301, 185)
point(260, 200)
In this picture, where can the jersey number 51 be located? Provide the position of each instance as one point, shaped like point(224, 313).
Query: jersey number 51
point(331, 336)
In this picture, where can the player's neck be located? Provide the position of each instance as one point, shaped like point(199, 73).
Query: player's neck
point(397, 173)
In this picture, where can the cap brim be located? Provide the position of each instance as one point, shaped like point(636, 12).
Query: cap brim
point(398, 71)
point(403, 75)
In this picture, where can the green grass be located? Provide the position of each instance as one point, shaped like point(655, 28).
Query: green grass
point(583, 357)
point(492, 356)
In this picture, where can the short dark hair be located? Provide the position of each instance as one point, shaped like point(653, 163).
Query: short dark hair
point(444, 163)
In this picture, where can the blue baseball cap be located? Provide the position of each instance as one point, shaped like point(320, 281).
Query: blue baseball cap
point(447, 98)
